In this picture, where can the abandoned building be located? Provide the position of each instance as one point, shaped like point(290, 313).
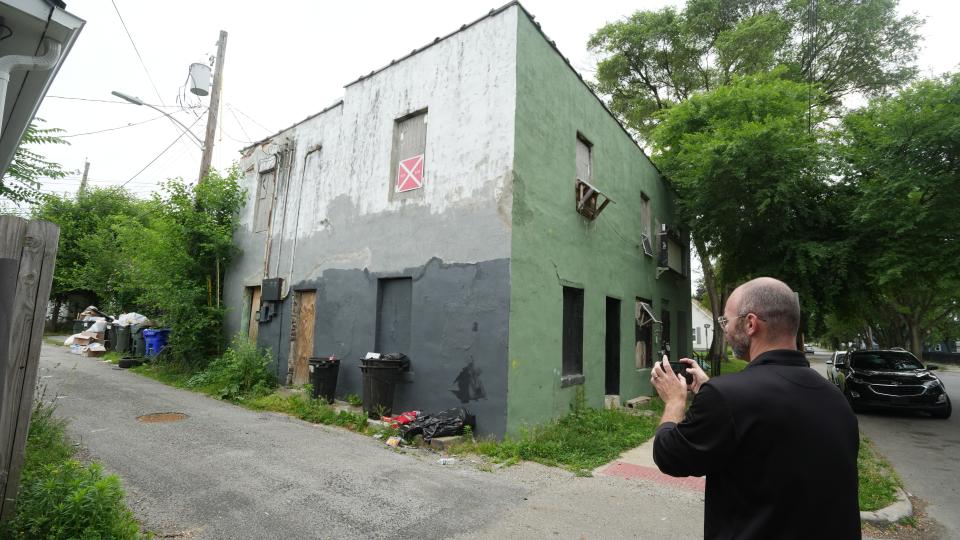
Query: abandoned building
point(474, 206)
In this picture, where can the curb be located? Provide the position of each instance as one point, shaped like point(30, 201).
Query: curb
point(890, 514)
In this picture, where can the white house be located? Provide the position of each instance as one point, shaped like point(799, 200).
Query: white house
point(701, 326)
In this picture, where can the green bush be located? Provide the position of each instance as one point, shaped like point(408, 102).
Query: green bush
point(62, 498)
point(242, 372)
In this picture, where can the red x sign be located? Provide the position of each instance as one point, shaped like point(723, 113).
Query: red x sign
point(410, 174)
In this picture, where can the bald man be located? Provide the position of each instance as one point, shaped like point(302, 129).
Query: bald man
point(777, 442)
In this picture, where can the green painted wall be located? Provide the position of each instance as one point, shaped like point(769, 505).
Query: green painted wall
point(553, 245)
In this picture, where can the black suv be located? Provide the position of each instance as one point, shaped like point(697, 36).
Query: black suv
point(892, 379)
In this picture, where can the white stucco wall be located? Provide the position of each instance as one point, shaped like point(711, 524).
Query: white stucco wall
point(337, 211)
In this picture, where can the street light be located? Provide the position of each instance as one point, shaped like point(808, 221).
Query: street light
point(138, 101)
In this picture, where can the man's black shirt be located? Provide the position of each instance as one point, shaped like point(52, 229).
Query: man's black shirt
point(778, 445)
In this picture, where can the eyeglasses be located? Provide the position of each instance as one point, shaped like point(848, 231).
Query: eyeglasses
point(723, 320)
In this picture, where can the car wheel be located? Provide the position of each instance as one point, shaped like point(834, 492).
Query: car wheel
point(943, 413)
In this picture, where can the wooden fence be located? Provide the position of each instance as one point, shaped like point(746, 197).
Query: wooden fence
point(28, 250)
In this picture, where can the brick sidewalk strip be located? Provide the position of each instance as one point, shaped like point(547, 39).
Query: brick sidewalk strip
point(638, 472)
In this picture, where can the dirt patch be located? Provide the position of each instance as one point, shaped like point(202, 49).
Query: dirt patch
point(161, 417)
point(918, 527)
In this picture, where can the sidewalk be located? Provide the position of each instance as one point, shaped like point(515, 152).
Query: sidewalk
point(637, 464)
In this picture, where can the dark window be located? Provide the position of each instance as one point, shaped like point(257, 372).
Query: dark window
point(683, 334)
point(394, 297)
point(572, 331)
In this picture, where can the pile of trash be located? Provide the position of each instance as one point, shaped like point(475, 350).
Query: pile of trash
point(446, 423)
point(93, 340)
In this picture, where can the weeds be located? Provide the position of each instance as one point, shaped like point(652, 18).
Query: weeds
point(312, 410)
point(62, 498)
point(242, 372)
point(878, 481)
point(354, 400)
point(580, 442)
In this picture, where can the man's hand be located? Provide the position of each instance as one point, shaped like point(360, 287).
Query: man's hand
point(699, 377)
point(672, 389)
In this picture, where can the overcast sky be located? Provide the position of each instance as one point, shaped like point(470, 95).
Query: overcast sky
point(285, 60)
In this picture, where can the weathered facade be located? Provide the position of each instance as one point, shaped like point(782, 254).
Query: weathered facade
point(433, 212)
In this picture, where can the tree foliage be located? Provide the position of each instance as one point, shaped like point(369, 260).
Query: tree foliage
point(751, 180)
point(902, 159)
point(164, 258)
point(656, 59)
point(21, 183)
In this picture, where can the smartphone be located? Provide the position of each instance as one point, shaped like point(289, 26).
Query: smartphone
point(681, 369)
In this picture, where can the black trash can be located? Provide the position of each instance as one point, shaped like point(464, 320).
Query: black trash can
point(139, 344)
point(323, 376)
point(121, 335)
point(380, 376)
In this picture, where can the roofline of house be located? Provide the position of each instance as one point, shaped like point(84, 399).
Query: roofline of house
point(436, 40)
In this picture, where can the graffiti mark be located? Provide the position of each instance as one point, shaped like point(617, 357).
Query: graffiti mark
point(469, 385)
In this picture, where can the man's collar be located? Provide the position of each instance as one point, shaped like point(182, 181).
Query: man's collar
point(780, 357)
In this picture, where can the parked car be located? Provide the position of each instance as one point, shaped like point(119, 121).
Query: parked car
point(890, 379)
point(832, 364)
point(808, 349)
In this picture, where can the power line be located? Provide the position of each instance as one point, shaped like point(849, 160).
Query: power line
point(164, 151)
point(136, 50)
point(114, 101)
point(111, 129)
point(233, 107)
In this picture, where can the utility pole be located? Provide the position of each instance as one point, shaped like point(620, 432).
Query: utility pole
point(214, 107)
point(83, 181)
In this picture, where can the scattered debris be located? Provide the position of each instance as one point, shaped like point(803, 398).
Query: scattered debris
point(394, 441)
point(447, 461)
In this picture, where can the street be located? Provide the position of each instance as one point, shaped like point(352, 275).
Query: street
point(922, 449)
point(228, 472)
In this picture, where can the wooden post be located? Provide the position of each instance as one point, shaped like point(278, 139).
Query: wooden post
point(28, 251)
point(214, 106)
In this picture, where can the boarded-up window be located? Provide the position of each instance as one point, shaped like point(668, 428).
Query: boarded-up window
point(572, 331)
point(644, 334)
point(409, 152)
point(264, 205)
point(584, 159)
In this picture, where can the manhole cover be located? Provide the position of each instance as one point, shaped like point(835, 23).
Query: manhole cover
point(161, 417)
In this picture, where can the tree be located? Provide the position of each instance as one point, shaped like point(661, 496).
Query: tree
point(21, 183)
point(85, 248)
point(752, 183)
point(902, 156)
point(656, 59)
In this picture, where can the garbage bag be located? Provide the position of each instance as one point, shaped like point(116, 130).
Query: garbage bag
point(442, 424)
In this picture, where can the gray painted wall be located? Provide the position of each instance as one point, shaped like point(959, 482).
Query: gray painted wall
point(459, 316)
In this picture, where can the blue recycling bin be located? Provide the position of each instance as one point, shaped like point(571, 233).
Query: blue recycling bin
point(156, 340)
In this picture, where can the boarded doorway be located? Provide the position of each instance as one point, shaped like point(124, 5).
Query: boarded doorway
point(612, 384)
point(393, 315)
point(252, 324)
point(301, 334)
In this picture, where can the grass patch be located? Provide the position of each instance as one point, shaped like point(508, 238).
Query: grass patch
point(51, 341)
point(304, 407)
point(732, 365)
point(878, 480)
point(580, 442)
point(169, 373)
point(61, 498)
point(112, 356)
